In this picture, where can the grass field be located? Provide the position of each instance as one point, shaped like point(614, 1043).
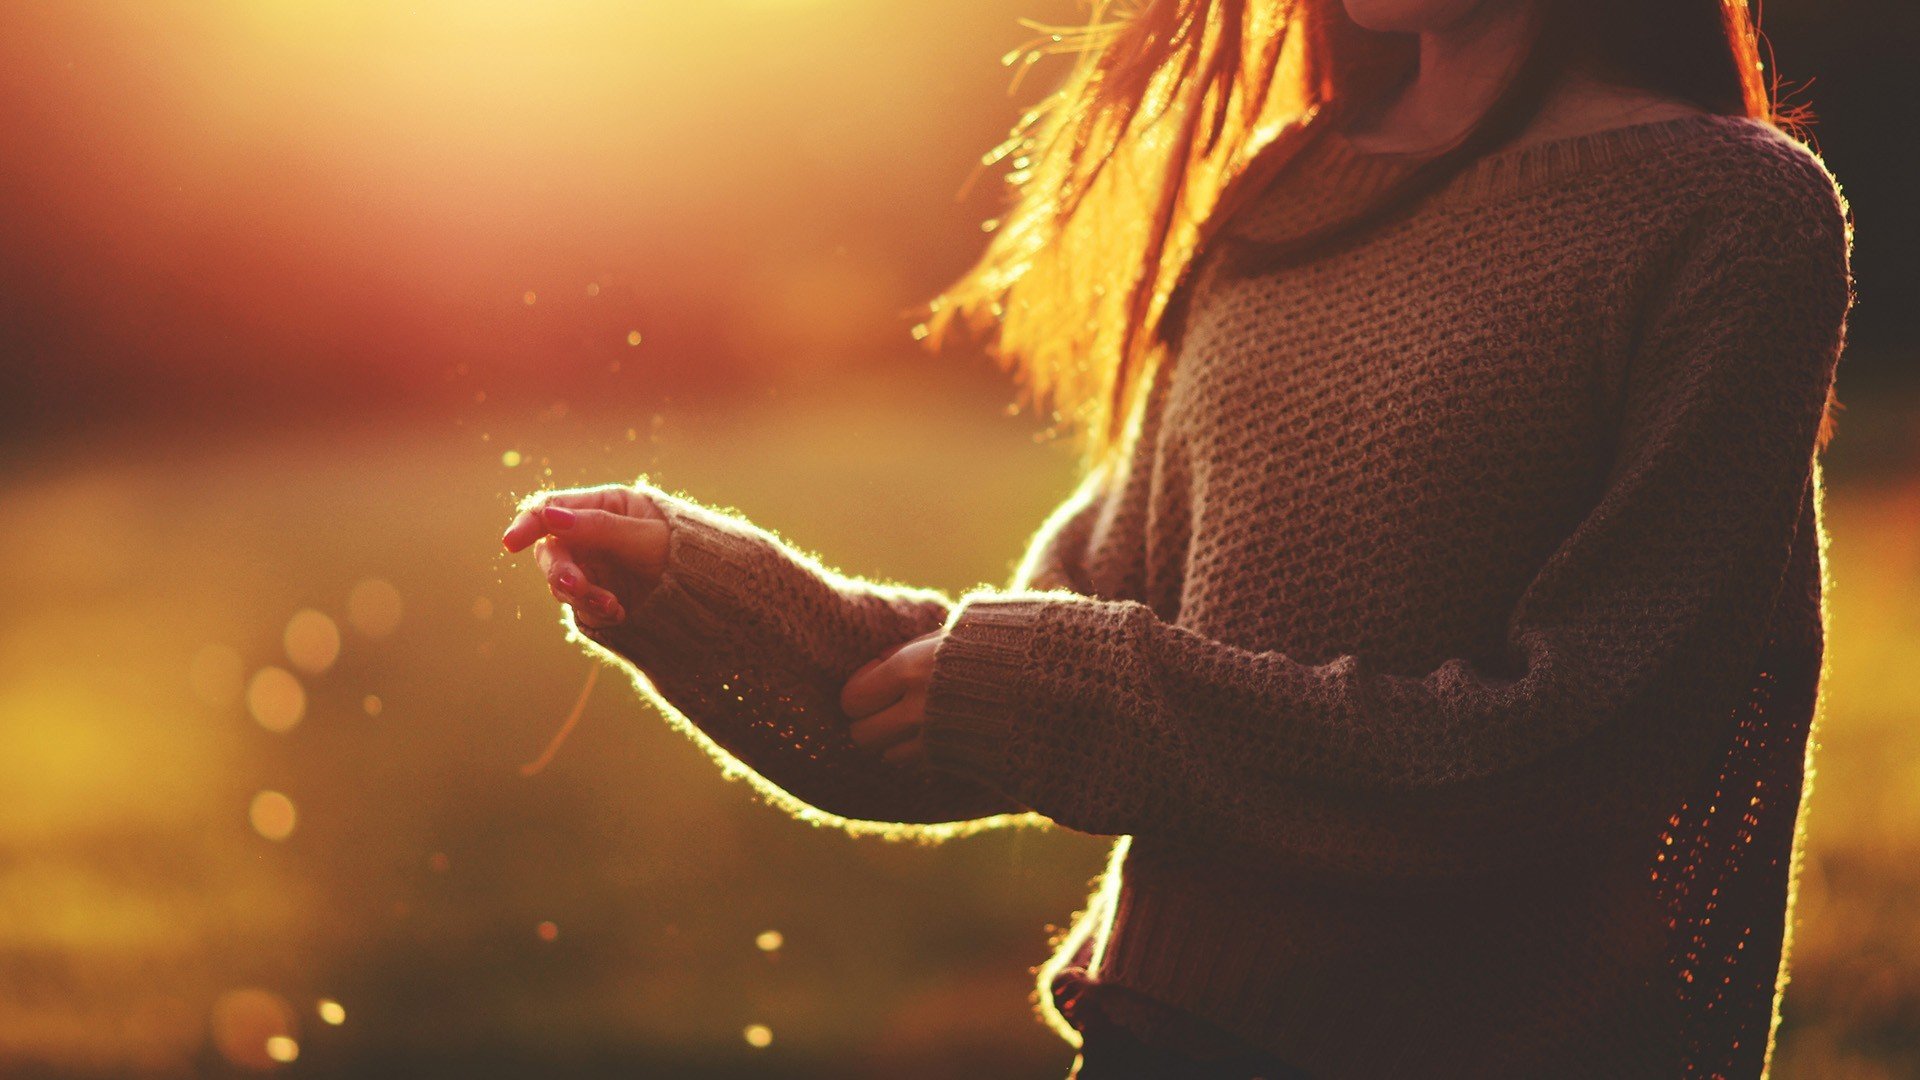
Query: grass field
point(625, 912)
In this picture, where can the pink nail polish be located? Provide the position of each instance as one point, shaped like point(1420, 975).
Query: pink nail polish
point(569, 580)
point(557, 517)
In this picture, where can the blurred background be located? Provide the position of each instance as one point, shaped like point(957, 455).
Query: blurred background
point(298, 296)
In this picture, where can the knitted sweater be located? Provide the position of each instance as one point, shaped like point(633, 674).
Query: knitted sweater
point(1444, 645)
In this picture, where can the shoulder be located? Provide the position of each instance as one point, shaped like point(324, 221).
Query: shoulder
point(1739, 173)
point(1758, 236)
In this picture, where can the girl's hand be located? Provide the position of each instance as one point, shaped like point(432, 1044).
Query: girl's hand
point(602, 549)
point(887, 698)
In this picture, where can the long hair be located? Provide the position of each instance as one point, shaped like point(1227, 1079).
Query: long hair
point(1176, 109)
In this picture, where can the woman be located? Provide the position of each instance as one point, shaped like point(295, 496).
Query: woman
point(1440, 622)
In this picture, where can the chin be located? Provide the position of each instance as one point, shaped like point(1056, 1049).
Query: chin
point(1409, 16)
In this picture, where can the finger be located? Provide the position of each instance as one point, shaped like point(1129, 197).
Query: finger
point(889, 727)
point(565, 578)
point(622, 499)
point(872, 688)
point(890, 651)
point(871, 664)
point(568, 582)
point(632, 542)
point(524, 529)
point(911, 754)
point(599, 610)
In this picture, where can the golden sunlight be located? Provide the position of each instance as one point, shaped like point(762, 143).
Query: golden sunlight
point(218, 675)
point(254, 1028)
point(374, 608)
point(276, 699)
point(272, 815)
point(312, 641)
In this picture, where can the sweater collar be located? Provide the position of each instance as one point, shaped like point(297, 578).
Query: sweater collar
point(1516, 169)
point(1332, 177)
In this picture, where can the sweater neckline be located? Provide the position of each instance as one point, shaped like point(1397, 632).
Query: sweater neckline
point(1515, 169)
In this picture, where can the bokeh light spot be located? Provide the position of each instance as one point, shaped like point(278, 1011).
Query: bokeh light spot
point(332, 1011)
point(528, 298)
point(547, 931)
point(439, 863)
point(276, 699)
point(374, 608)
point(272, 815)
point(770, 940)
point(371, 704)
point(246, 1023)
point(218, 675)
point(312, 641)
point(283, 1049)
point(511, 459)
point(633, 337)
point(758, 1036)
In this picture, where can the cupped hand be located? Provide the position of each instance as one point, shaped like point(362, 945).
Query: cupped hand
point(602, 549)
point(887, 699)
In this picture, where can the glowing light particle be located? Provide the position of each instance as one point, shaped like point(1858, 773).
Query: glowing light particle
point(246, 1024)
point(439, 863)
point(374, 608)
point(758, 1036)
point(511, 459)
point(593, 288)
point(332, 1011)
point(272, 815)
point(547, 931)
point(528, 298)
point(283, 1049)
point(372, 704)
point(633, 337)
point(218, 675)
point(770, 940)
point(276, 699)
point(312, 641)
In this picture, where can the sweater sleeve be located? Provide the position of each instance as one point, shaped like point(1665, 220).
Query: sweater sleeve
point(744, 645)
point(1626, 653)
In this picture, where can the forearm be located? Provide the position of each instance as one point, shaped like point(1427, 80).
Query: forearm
point(745, 642)
point(1109, 721)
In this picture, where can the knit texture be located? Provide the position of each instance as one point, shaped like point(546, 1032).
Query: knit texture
point(1444, 646)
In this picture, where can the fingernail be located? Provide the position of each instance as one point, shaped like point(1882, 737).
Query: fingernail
point(569, 580)
point(604, 602)
point(557, 517)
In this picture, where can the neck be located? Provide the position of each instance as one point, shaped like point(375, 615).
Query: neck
point(1460, 71)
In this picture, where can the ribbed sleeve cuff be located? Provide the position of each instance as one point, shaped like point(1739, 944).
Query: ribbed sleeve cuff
point(971, 724)
point(715, 557)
